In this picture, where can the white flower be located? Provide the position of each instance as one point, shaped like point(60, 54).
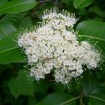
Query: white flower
point(53, 47)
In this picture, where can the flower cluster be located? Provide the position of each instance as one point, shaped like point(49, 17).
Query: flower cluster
point(54, 47)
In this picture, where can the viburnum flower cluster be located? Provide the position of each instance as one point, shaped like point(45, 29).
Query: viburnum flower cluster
point(54, 47)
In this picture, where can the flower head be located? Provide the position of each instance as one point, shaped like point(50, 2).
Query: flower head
point(54, 47)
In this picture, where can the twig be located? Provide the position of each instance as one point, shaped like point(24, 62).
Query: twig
point(70, 100)
point(44, 1)
point(56, 3)
point(95, 98)
point(81, 99)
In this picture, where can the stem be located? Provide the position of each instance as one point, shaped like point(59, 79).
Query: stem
point(56, 3)
point(95, 98)
point(81, 95)
point(70, 100)
point(81, 100)
point(44, 1)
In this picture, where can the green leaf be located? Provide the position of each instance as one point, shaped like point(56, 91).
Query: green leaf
point(92, 89)
point(13, 55)
point(6, 28)
point(65, 1)
point(94, 100)
point(25, 23)
point(93, 28)
point(99, 97)
point(57, 99)
point(90, 83)
point(3, 2)
point(41, 86)
point(96, 10)
point(14, 18)
point(58, 87)
point(9, 51)
point(32, 100)
point(21, 85)
point(16, 6)
point(82, 3)
point(93, 31)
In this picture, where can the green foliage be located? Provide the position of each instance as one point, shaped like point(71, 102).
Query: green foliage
point(93, 28)
point(96, 10)
point(94, 31)
point(90, 83)
point(13, 18)
point(16, 85)
point(41, 86)
point(3, 2)
point(9, 51)
point(21, 85)
point(6, 28)
point(16, 6)
point(57, 99)
point(95, 101)
point(82, 3)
